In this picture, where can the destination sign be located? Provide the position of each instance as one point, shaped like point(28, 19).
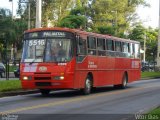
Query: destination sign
point(54, 34)
point(48, 34)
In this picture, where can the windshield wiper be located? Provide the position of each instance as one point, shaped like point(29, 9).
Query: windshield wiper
point(32, 62)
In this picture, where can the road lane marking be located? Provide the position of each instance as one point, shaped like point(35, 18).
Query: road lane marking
point(68, 101)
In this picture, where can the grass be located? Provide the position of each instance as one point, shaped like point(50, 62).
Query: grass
point(150, 75)
point(155, 111)
point(154, 114)
point(10, 85)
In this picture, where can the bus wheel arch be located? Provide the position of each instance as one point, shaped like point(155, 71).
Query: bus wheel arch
point(124, 81)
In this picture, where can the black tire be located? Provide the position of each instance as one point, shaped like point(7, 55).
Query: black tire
point(87, 87)
point(124, 83)
point(44, 92)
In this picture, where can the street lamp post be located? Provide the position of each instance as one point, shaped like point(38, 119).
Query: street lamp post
point(38, 13)
point(144, 47)
point(12, 8)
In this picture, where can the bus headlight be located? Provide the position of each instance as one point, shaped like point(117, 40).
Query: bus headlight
point(59, 78)
point(27, 78)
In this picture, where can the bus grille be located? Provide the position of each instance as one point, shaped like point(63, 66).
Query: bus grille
point(42, 78)
point(43, 84)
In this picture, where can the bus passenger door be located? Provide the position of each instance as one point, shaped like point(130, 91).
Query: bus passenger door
point(81, 62)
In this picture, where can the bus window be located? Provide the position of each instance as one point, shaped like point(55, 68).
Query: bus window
point(110, 45)
point(118, 46)
point(91, 46)
point(125, 47)
point(132, 50)
point(101, 46)
point(137, 51)
point(81, 48)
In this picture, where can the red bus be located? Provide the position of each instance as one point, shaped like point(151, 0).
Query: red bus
point(63, 58)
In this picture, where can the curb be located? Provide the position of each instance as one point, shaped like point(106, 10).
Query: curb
point(20, 92)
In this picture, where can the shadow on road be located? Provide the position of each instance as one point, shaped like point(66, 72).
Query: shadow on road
point(76, 93)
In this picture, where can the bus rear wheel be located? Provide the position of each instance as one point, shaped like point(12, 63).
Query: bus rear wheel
point(44, 92)
point(124, 83)
point(88, 86)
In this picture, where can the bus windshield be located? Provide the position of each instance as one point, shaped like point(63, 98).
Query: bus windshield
point(47, 50)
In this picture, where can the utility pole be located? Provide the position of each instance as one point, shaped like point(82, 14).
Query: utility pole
point(144, 45)
point(12, 8)
point(158, 52)
point(29, 12)
point(29, 15)
point(38, 13)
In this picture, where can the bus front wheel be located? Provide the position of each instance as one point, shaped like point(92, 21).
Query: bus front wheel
point(44, 92)
point(87, 87)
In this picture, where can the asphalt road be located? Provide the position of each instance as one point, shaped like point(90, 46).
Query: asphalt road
point(104, 103)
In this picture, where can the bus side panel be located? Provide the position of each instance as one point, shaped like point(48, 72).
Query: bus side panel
point(135, 72)
point(105, 72)
point(79, 79)
point(80, 75)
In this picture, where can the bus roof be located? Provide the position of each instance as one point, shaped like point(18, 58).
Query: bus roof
point(79, 31)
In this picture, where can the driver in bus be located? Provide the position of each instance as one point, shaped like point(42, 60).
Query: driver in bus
point(58, 52)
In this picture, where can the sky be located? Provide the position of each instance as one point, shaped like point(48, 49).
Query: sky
point(148, 15)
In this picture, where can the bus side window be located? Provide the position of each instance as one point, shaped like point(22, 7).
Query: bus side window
point(101, 46)
point(137, 51)
point(118, 46)
point(110, 45)
point(132, 50)
point(81, 47)
point(125, 47)
point(91, 41)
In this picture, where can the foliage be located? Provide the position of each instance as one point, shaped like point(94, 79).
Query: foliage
point(97, 12)
point(106, 30)
point(116, 15)
point(11, 31)
point(141, 34)
point(138, 33)
point(55, 10)
point(73, 21)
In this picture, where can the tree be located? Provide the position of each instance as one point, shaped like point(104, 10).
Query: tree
point(11, 31)
point(140, 33)
point(109, 13)
point(151, 44)
point(73, 21)
point(55, 10)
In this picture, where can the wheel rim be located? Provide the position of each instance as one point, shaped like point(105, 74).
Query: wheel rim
point(125, 82)
point(88, 85)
